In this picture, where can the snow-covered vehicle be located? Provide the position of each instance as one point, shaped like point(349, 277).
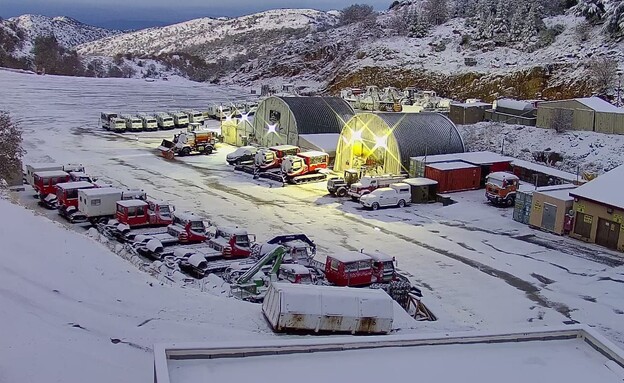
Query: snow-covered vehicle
point(133, 123)
point(367, 184)
point(148, 122)
point(194, 116)
point(501, 188)
point(244, 154)
point(180, 119)
point(67, 196)
point(398, 194)
point(101, 203)
point(164, 121)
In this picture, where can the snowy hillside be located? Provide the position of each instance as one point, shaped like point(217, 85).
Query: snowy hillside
point(195, 35)
point(69, 32)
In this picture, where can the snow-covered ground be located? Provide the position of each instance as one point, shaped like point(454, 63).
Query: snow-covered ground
point(478, 268)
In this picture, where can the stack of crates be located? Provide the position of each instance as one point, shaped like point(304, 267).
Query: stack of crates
point(522, 208)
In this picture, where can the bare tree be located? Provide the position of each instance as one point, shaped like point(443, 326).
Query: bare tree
point(603, 72)
point(561, 120)
point(357, 12)
point(11, 150)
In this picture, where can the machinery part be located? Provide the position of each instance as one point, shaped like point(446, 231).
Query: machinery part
point(341, 192)
point(375, 206)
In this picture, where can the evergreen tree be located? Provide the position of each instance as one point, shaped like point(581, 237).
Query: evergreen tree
point(614, 18)
point(534, 23)
point(592, 10)
point(436, 11)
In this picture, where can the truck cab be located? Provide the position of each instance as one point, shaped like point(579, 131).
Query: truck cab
point(384, 270)
point(67, 195)
point(232, 242)
point(148, 122)
point(180, 119)
point(304, 163)
point(137, 213)
point(349, 269)
point(133, 123)
point(194, 116)
point(398, 194)
point(45, 182)
point(369, 183)
point(269, 158)
point(105, 120)
point(295, 273)
point(339, 186)
point(117, 124)
point(501, 188)
point(188, 228)
point(164, 121)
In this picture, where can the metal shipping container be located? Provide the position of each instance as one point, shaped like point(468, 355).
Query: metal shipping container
point(311, 308)
point(454, 176)
point(522, 208)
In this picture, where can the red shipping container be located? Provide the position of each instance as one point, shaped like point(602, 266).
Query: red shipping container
point(454, 176)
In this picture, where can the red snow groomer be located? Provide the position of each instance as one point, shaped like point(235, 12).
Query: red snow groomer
point(271, 158)
point(305, 167)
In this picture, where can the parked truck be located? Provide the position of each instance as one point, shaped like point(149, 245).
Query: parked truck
point(187, 143)
point(369, 183)
point(304, 167)
point(45, 183)
point(67, 196)
point(501, 188)
point(180, 119)
point(32, 168)
point(133, 123)
point(101, 203)
point(148, 123)
point(339, 186)
point(194, 116)
point(164, 121)
point(325, 309)
point(398, 194)
point(112, 122)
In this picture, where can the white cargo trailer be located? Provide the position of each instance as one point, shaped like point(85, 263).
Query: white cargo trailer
point(102, 202)
point(311, 308)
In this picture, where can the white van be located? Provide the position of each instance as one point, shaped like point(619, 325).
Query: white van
point(398, 194)
point(133, 123)
point(195, 116)
point(165, 121)
point(148, 122)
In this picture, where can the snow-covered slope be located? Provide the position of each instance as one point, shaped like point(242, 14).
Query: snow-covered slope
point(191, 35)
point(69, 32)
point(72, 311)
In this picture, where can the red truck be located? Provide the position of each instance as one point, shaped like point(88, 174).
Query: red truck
point(45, 183)
point(232, 242)
point(359, 268)
point(369, 183)
point(138, 213)
point(67, 196)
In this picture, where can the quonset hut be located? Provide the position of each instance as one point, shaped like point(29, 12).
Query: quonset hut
point(384, 142)
point(313, 123)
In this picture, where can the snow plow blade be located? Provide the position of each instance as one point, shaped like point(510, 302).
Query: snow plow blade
point(166, 149)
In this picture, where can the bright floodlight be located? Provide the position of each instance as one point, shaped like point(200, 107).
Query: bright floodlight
point(228, 117)
point(245, 117)
point(381, 142)
point(272, 128)
point(357, 136)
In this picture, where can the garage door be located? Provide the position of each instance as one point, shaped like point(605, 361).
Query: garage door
point(608, 233)
point(583, 224)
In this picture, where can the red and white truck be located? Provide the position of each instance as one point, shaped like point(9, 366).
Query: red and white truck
point(305, 167)
point(369, 183)
point(44, 183)
point(67, 196)
point(100, 204)
point(232, 242)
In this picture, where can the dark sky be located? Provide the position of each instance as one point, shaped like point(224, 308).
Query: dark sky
point(135, 14)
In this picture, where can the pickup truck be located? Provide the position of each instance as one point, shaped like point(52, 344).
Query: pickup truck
point(398, 194)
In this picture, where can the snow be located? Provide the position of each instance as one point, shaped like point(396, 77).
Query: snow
point(471, 104)
point(187, 216)
point(563, 195)
point(599, 105)
point(379, 256)
point(51, 173)
point(475, 158)
point(569, 360)
point(350, 256)
point(97, 192)
point(451, 165)
point(132, 203)
point(295, 268)
point(546, 170)
point(606, 189)
point(477, 268)
point(74, 185)
point(514, 104)
point(66, 299)
point(420, 181)
point(312, 153)
point(502, 176)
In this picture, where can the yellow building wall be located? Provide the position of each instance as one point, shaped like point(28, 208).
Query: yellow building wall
point(537, 210)
point(610, 123)
point(596, 211)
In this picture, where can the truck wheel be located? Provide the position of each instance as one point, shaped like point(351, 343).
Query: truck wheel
point(375, 206)
point(185, 151)
point(401, 203)
point(511, 201)
point(341, 192)
point(208, 151)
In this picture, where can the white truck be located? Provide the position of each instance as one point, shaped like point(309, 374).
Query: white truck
point(100, 203)
point(148, 122)
point(195, 116)
point(398, 194)
point(133, 123)
point(180, 119)
point(33, 168)
point(369, 183)
point(164, 121)
point(327, 309)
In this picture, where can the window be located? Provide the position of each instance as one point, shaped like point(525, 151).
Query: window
point(242, 240)
point(120, 209)
point(96, 202)
point(364, 265)
point(334, 265)
point(197, 226)
point(72, 193)
point(132, 211)
point(351, 267)
point(140, 211)
point(274, 116)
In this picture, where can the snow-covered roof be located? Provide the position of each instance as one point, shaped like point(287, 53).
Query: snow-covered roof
point(315, 290)
point(546, 170)
point(471, 104)
point(379, 256)
point(502, 176)
point(599, 105)
point(45, 166)
point(51, 173)
point(476, 158)
point(283, 147)
point(558, 354)
point(75, 185)
point(295, 268)
point(187, 216)
point(350, 256)
point(451, 165)
point(232, 230)
point(420, 181)
point(561, 194)
point(324, 141)
point(101, 191)
point(514, 104)
point(312, 153)
point(606, 189)
point(132, 203)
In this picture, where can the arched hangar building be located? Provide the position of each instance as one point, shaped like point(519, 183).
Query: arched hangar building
point(313, 123)
point(384, 142)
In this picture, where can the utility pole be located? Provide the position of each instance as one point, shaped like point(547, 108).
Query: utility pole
point(619, 88)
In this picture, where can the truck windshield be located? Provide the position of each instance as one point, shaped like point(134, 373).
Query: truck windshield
point(168, 120)
point(242, 240)
point(164, 210)
point(197, 226)
point(495, 182)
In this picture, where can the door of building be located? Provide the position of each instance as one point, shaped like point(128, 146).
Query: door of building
point(583, 225)
point(549, 216)
point(608, 233)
